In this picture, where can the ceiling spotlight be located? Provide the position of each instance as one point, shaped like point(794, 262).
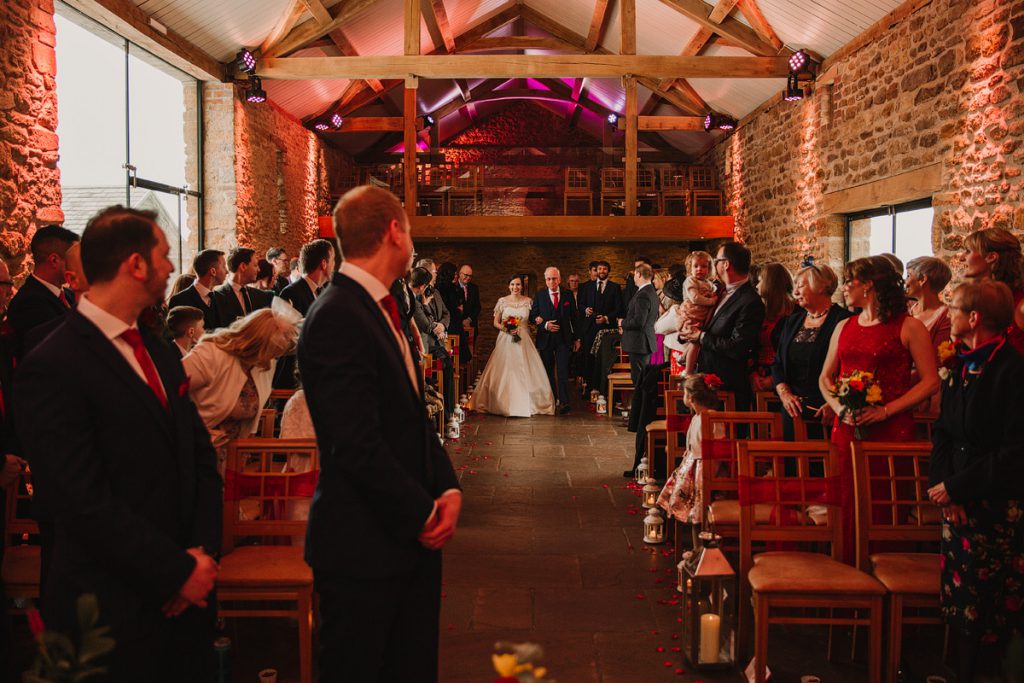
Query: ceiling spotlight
point(246, 61)
point(798, 60)
point(321, 126)
point(726, 122)
point(429, 120)
point(793, 90)
point(255, 92)
point(709, 122)
point(715, 121)
point(336, 120)
point(613, 118)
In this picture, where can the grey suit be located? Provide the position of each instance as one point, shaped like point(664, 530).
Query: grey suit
point(638, 338)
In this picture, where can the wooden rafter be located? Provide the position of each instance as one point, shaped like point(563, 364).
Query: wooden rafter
point(732, 28)
point(412, 29)
point(597, 24)
point(439, 16)
point(579, 92)
point(497, 43)
point(308, 31)
point(284, 24)
point(521, 66)
point(627, 25)
point(721, 10)
point(482, 89)
point(433, 30)
point(488, 23)
point(343, 44)
point(318, 11)
point(545, 23)
point(757, 20)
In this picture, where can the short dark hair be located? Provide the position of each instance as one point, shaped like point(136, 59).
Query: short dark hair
point(992, 300)
point(593, 264)
point(239, 256)
point(644, 259)
point(605, 264)
point(738, 257)
point(180, 318)
point(275, 252)
point(264, 269)
point(313, 253)
point(205, 260)
point(294, 263)
point(112, 236)
point(419, 277)
point(51, 239)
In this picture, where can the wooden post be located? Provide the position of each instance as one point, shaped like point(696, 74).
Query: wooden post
point(412, 27)
point(627, 17)
point(631, 146)
point(409, 160)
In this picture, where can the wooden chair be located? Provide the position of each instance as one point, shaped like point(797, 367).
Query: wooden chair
point(434, 183)
point(451, 344)
point(656, 430)
point(782, 581)
point(619, 379)
point(281, 395)
point(905, 514)
point(705, 197)
point(674, 199)
point(923, 422)
point(466, 192)
point(646, 191)
point(613, 191)
point(276, 574)
point(21, 565)
point(577, 189)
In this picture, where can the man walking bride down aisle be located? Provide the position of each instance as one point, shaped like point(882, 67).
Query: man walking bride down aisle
point(518, 381)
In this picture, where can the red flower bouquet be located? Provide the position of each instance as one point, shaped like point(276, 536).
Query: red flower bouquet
point(511, 325)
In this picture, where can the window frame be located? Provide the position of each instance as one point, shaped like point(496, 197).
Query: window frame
point(891, 210)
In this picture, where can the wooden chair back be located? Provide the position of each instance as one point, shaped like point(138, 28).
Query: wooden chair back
point(281, 394)
point(677, 420)
point(891, 493)
point(466, 178)
point(267, 474)
point(613, 181)
point(577, 180)
point(923, 421)
point(769, 401)
point(674, 180)
point(702, 178)
point(646, 181)
point(267, 425)
point(720, 432)
point(18, 522)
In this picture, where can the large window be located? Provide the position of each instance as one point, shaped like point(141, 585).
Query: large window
point(904, 230)
point(129, 132)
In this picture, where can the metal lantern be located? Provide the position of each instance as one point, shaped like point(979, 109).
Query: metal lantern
point(681, 572)
point(709, 607)
point(651, 491)
point(654, 527)
point(602, 405)
point(642, 470)
point(459, 414)
point(594, 394)
point(463, 400)
point(453, 428)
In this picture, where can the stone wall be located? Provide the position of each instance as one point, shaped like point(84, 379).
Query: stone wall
point(945, 85)
point(29, 178)
point(494, 263)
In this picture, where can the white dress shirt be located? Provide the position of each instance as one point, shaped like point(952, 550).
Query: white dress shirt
point(203, 291)
point(312, 285)
point(241, 299)
point(112, 328)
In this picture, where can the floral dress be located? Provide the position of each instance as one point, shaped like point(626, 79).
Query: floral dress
point(683, 495)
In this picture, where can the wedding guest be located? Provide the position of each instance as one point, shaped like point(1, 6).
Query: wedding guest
point(803, 344)
point(76, 283)
point(553, 313)
point(600, 308)
point(638, 324)
point(125, 463)
point(975, 474)
point(573, 282)
point(293, 270)
point(894, 261)
point(432, 320)
point(667, 328)
point(729, 338)
point(995, 254)
point(211, 269)
point(316, 261)
point(181, 283)
point(927, 276)
point(631, 287)
point(469, 312)
point(380, 590)
point(42, 297)
point(699, 301)
point(776, 290)
point(576, 360)
point(278, 259)
point(886, 341)
point(186, 326)
point(230, 372)
point(235, 298)
point(264, 277)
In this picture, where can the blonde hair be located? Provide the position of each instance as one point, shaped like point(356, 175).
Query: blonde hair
point(702, 394)
point(1009, 265)
point(821, 277)
point(692, 258)
point(257, 339)
point(935, 271)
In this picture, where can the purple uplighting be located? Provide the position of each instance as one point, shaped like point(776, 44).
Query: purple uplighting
point(336, 120)
point(797, 61)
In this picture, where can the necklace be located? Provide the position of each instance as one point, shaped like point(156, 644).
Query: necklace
point(816, 316)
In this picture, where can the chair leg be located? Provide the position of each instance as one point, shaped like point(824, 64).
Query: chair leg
point(895, 636)
point(305, 618)
point(761, 609)
point(875, 641)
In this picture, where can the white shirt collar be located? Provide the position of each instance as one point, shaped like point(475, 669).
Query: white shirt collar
point(202, 289)
point(374, 287)
point(736, 285)
point(56, 291)
point(234, 284)
point(111, 326)
point(312, 285)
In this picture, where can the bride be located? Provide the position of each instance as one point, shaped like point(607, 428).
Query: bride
point(514, 382)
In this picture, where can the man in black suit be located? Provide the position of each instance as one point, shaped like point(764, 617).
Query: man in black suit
point(42, 297)
point(379, 587)
point(316, 259)
point(125, 462)
point(465, 312)
point(729, 341)
point(631, 288)
point(638, 325)
point(186, 326)
point(600, 308)
point(235, 298)
point(278, 259)
point(211, 269)
point(554, 312)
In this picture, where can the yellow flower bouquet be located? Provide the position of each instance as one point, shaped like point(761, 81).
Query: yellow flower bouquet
point(855, 391)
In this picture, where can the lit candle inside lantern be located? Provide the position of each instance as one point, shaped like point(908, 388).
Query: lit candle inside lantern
point(710, 627)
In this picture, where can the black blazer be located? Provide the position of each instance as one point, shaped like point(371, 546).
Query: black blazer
point(226, 308)
point(470, 301)
point(638, 325)
point(609, 303)
point(129, 485)
point(729, 342)
point(300, 295)
point(381, 463)
point(33, 305)
point(978, 437)
point(790, 326)
point(191, 297)
point(565, 316)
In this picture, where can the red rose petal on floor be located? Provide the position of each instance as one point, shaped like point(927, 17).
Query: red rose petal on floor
point(641, 596)
point(604, 486)
point(472, 471)
point(679, 672)
point(451, 627)
point(668, 664)
point(679, 619)
point(660, 649)
point(675, 636)
point(677, 649)
point(654, 633)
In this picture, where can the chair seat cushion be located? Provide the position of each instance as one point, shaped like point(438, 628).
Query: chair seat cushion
point(264, 565)
point(908, 573)
point(727, 512)
point(789, 572)
point(21, 568)
point(657, 426)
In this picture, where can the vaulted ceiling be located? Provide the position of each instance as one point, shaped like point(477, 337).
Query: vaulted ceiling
point(727, 28)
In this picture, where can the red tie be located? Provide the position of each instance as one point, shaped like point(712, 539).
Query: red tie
point(391, 306)
point(134, 340)
point(64, 299)
point(554, 295)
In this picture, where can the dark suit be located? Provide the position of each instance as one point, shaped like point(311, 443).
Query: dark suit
point(555, 347)
point(638, 330)
point(130, 487)
point(33, 305)
point(728, 344)
point(382, 467)
point(469, 300)
point(301, 297)
point(281, 282)
point(190, 296)
point(608, 303)
point(227, 309)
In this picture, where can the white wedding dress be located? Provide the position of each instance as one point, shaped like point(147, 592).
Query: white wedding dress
point(514, 382)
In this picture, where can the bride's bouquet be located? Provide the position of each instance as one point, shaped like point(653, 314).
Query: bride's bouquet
point(511, 325)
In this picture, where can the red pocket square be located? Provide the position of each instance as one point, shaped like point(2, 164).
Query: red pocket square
point(183, 388)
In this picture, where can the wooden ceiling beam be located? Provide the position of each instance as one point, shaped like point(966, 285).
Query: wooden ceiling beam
point(549, 25)
point(343, 44)
point(489, 23)
point(521, 43)
point(412, 28)
point(757, 20)
point(627, 25)
point(480, 90)
point(699, 41)
point(571, 228)
point(433, 30)
point(440, 18)
point(735, 30)
point(521, 66)
point(721, 10)
point(285, 23)
point(689, 123)
point(318, 11)
point(597, 24)
point(373, 124)
point(311, 30)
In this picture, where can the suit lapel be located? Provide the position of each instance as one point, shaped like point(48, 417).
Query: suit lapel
point(730, 304)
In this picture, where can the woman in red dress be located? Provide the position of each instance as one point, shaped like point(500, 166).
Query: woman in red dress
point(885, 340)
point(995, 254)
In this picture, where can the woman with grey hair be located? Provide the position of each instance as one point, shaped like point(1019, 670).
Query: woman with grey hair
point(927, 276)
point(803, 345)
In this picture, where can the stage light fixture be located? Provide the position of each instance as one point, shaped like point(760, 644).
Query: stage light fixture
point(429, 120)
point(715, 121)
point(793, 90)
point(255, 92)
point(726, 122)
point(798, 60)
point(246, 61)
point(321, 126)
point(613, 118)
point(336, 120)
